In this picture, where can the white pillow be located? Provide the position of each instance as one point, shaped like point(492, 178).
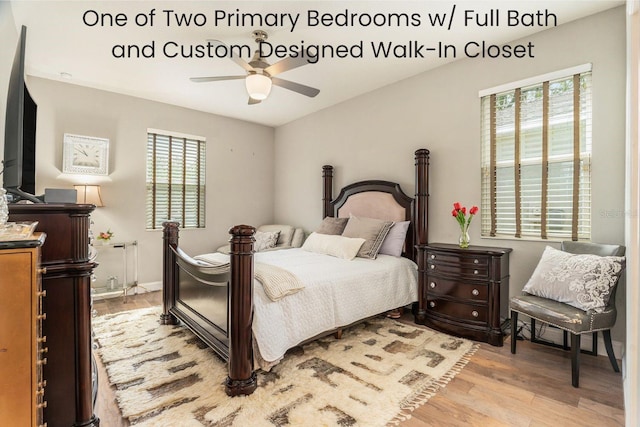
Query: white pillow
point(394, 242)
point(580, 280)
point(334, 245)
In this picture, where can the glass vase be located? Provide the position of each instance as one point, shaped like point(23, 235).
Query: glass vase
point(4, 207)
point(464, 240)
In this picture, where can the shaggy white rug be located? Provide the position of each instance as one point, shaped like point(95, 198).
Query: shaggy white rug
point(375, 375)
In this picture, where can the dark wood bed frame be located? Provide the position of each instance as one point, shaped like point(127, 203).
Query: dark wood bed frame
point(227, 327)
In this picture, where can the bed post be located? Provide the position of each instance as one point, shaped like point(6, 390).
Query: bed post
point(242, 378)
point(169, 273)
point(327, 191)
point(421, 224)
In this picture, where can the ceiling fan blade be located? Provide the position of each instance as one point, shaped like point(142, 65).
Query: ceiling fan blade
point(253, 101)
point(286, 64)
point(296, 87)
point(241, 62)
point(215, 79)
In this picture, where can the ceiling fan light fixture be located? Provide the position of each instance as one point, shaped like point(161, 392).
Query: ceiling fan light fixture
point(258, 86)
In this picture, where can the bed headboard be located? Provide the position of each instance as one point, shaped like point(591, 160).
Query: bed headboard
point(384, 200)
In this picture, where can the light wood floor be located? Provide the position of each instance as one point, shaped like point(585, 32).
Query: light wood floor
point(530, 388)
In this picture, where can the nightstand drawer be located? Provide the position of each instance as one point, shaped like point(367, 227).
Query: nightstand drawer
point(436, 257)
point(461, 270)
point(477, 292)
point(457, 310)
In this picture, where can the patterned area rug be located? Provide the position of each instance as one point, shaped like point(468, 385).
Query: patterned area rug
point(375, 375)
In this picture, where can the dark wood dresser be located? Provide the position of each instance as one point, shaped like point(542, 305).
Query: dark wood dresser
point(23, 349)
point(67, 326)
point(466, 290)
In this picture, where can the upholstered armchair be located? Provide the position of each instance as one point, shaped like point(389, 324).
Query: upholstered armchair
point(573, 289)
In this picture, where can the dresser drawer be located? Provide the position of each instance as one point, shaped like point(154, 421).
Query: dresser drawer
point(473, 266)
point(477, 292)
point(458, 310)
point(461, 270)
point(477, 260)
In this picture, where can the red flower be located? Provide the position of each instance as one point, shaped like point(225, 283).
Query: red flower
point(463, 210)
point(454, 212)
point(456, 206)
point(473, 210)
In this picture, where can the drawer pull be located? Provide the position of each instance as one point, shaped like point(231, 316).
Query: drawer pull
point(474, 313)
point(475, 292)
point(42, 384)
point(475, 261)
point(42, 293)
point(433, 256)
point(475, 271)
point(42, 405)
point(42, 362)
point(43, 339)
point(432, 285)
point(432, 304)
point(41, 270)
point(42, 316)
point(44, 350)
point(433, 267)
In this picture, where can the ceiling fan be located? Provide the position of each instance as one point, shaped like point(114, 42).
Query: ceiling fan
point(261, 75)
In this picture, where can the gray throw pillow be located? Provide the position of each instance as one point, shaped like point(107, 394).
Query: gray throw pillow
point(265, 240)
point(372, 230)
point(332, 225)
point(583, 281)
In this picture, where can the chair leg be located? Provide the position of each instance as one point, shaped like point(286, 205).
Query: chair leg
point(575, 359)
point(533, 330)
point(514, 330)
point(607, 344)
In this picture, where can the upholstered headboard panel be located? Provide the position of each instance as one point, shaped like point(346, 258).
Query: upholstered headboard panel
point(373, 204)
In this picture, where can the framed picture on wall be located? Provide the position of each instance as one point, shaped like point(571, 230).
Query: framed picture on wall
point(85, 155)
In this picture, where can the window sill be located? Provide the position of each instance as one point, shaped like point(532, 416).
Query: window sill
point(531, 239)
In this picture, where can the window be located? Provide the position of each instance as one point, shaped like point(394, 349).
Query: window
point(536, 157)
point(175, 179)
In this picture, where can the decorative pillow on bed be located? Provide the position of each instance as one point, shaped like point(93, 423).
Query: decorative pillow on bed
point(394, 242)
point(330, 244)
point(583, 281)
point(286, 233)
point(334, 226)
point(265, 240)
point(372, 230)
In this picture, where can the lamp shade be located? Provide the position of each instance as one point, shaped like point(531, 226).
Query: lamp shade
point(89, 194)
point(258, 86)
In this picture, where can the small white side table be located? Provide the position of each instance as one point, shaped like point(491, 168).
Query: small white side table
point(129, 249)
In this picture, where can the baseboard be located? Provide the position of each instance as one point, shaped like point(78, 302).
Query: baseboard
point(586, 340)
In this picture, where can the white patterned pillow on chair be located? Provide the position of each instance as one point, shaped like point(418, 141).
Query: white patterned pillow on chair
point(583, 281)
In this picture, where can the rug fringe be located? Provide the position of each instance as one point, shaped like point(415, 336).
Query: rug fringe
point(422, 396)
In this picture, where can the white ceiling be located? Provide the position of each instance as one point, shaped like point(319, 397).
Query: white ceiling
point(58, 41)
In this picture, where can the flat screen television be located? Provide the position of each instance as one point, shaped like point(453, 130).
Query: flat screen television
point(19, 164)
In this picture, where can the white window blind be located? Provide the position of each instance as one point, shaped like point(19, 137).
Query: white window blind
point(536, 160)
point(175, 180)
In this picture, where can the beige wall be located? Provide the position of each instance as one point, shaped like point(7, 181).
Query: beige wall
point(375, 135)
point(239, 164)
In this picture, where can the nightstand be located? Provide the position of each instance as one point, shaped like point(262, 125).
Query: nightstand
point(466, 291)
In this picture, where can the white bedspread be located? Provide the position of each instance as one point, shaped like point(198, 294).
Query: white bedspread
point(337, 293)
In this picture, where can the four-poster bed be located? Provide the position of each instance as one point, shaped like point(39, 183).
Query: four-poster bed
point(217, 304)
